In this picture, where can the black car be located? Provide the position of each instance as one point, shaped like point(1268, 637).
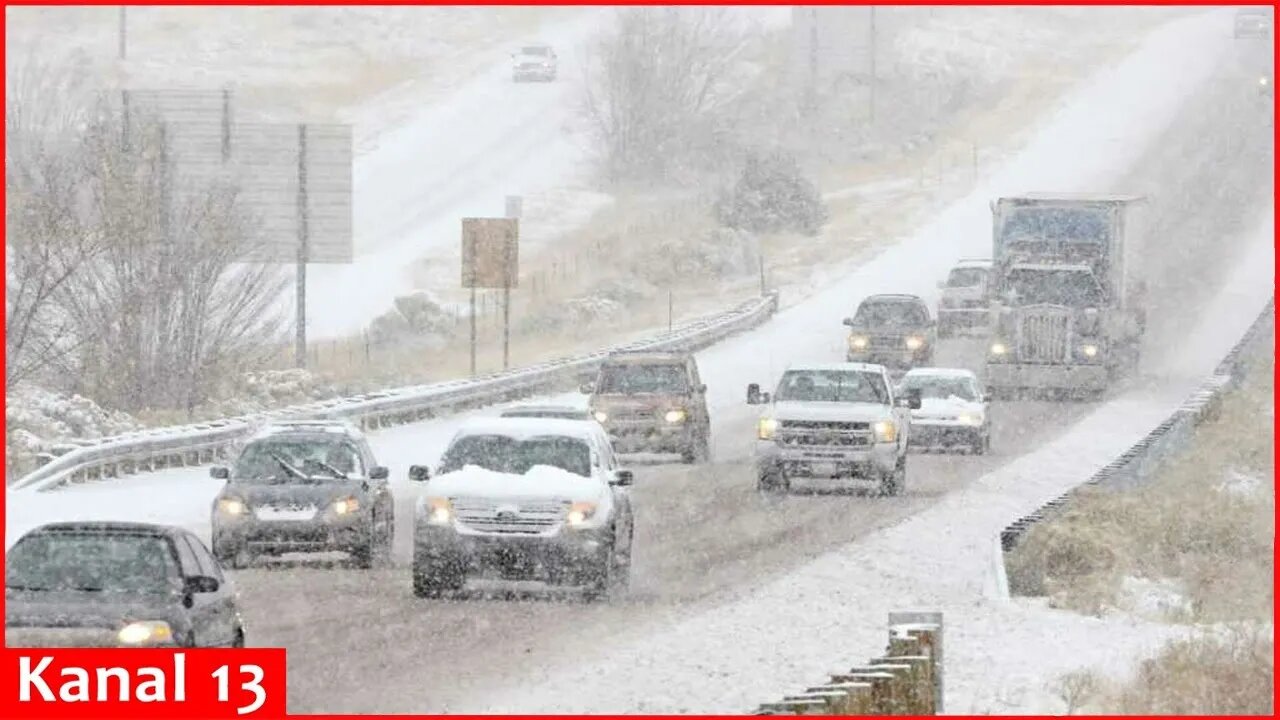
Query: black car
point(304, 487)
point(892, 330)
point(116, 584)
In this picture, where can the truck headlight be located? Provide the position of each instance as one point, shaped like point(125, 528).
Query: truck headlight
point(999, 349)
point(858, 342)
point(766, 428)
point(1089, 350)
point(150, 632)
point(915, 342)
point(232, 506)
point(972, 419)
point(886, 431)
point(600, 416)
point(675, 416)
point(580, 512)
point(439, 511)
point(346, 506)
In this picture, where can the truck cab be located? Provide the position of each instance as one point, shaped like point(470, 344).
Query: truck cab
point(963, 303)
point(838, 420)
point(892, 330)
point(652, 402)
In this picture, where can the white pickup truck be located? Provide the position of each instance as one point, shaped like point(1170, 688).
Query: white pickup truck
point(837, 420)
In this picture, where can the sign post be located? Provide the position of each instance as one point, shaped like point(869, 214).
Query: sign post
point(490, 259)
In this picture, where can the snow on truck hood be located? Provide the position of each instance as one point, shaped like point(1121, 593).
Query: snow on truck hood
point(542, 481)
point(828, 411)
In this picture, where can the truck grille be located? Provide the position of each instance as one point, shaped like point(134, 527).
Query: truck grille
point(507, 518)
point(822, 433)
point(1044, 336)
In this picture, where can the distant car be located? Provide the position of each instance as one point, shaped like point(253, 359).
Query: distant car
point(303, 487)
point(953, 410)
point(963, 303)
point(534, 62)
point(1265, 85)
point(891, 330)
point(1252, 23)
point(527, 499)
point(553, 412)
point(115, 584)
point(652, 402)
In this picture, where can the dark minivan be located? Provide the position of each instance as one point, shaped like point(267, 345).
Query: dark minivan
point(895, 331)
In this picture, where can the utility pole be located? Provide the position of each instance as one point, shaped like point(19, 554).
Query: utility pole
point(300, 281)
point(123, 31)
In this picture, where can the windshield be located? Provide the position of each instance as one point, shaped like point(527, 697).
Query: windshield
point(550, 414)
point(966, 277)
point(832, 386)
point(1072, 288)
point(92, 563)
point(890, 314)
point(642, 379)
point(1057, 223)
point(535, 51)
point(504, 454)
point(283, 460)
point(941, 388)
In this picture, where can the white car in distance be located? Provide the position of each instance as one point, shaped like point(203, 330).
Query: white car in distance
point(954, 412)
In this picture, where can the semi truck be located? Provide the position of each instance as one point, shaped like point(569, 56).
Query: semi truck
point(1067, 313)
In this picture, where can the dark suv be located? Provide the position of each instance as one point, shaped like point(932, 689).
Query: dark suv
point(117, 584)
point(892, 330)
point(303, 487)
point(652, 402)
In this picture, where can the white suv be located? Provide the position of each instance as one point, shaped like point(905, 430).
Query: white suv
point(838, 420)
point(525, 499)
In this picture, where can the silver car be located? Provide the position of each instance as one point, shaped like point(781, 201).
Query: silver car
point(534, 62)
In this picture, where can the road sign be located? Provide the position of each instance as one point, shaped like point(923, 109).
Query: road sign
point(490, 252)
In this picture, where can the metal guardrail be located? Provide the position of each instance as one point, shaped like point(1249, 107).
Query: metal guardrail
point(1136, 466)
point(204, 442)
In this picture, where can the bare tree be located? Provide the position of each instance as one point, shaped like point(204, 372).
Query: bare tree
point(657, 86)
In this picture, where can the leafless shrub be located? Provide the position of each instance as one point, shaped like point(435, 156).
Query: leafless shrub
point(1228, 672)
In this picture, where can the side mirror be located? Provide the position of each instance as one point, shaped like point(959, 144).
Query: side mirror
point(848, 322)
point(753, 394)
point(219, 472)
point(587, 388)
point(623, 478)
point(914, 400)
point(201, 584)
point(419, 473)
point(379, 473)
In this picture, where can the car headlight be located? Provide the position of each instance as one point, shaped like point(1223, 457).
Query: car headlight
point(969, 419)
point(1089, 350)
point(600, 416)
point(998, 349)
point(858, 342)
point(150, 632)
point(675, 416)
point(438, 511)
point(580, 512)
point(346, 505)
point(232, 506)
point(915, 342)
point(886, 431)
point(1264, 81)
point(766, 428)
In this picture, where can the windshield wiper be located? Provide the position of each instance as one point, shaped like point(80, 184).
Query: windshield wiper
point(336, 472)
point(287, 467)
point(26, 588)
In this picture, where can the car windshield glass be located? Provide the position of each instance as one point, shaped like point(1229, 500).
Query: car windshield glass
point(889, 314)
point(504, 454)
point(966, 277)
point(534, 51)
point(91, 563)
point(642, 379)
point(286, 460)
point(941, 388)
point(832, 386)
point(1072, 288)
point(1057, 224)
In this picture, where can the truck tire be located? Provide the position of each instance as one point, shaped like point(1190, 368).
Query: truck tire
point(432, 579)
point(894, 483)
point(699, 449)
point(773, 482)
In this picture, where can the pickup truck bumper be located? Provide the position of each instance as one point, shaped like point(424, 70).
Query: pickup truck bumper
point(819, 461)
point(1047, 377)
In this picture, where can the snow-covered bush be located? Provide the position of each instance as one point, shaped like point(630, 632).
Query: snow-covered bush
point(36, 420)
point(773, 195)
point(415, 318)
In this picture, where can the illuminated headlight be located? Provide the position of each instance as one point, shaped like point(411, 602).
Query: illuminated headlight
point(1264, 81)
point(969, 419)
point(886, 431)
point(675, 416)
point(600, 416)
point(580, 512)
point(998, 348)
point(1089, 350)
point(766, 428)
point(346, 506)
point(915, 342)
point(152, 632)
point(858, 342)
point(232, 506)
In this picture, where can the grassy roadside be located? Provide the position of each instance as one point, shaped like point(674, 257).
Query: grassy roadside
point(1195, 547)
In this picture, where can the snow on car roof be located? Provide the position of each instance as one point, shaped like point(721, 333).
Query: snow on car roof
point(845, 366)
point(522, 428)
point(1051, 267)
point(940, 372)
point(547, 408)
point(973, 262)
point(308, 427)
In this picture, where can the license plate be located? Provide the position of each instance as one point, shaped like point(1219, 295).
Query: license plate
point(285, 514)
point(823, 468)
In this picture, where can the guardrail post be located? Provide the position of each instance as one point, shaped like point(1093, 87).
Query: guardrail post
point(926, 629)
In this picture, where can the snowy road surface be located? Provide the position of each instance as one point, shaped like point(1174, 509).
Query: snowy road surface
point(1179, 121)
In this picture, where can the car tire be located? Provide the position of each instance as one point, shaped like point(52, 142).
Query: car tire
point(238, 642)
point(981, 444)
point(431, 580)
point(378, 551)
point(773, 482)
point(892, 484)
point(234, 558)
point(602, 577)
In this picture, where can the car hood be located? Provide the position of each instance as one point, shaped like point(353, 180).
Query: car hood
point(541, 482)
point(532, 60)
point(894, 331)
point(946, 407)
point(81, 609)
point(317, 493)
point(830, 411)
point(633, 403)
